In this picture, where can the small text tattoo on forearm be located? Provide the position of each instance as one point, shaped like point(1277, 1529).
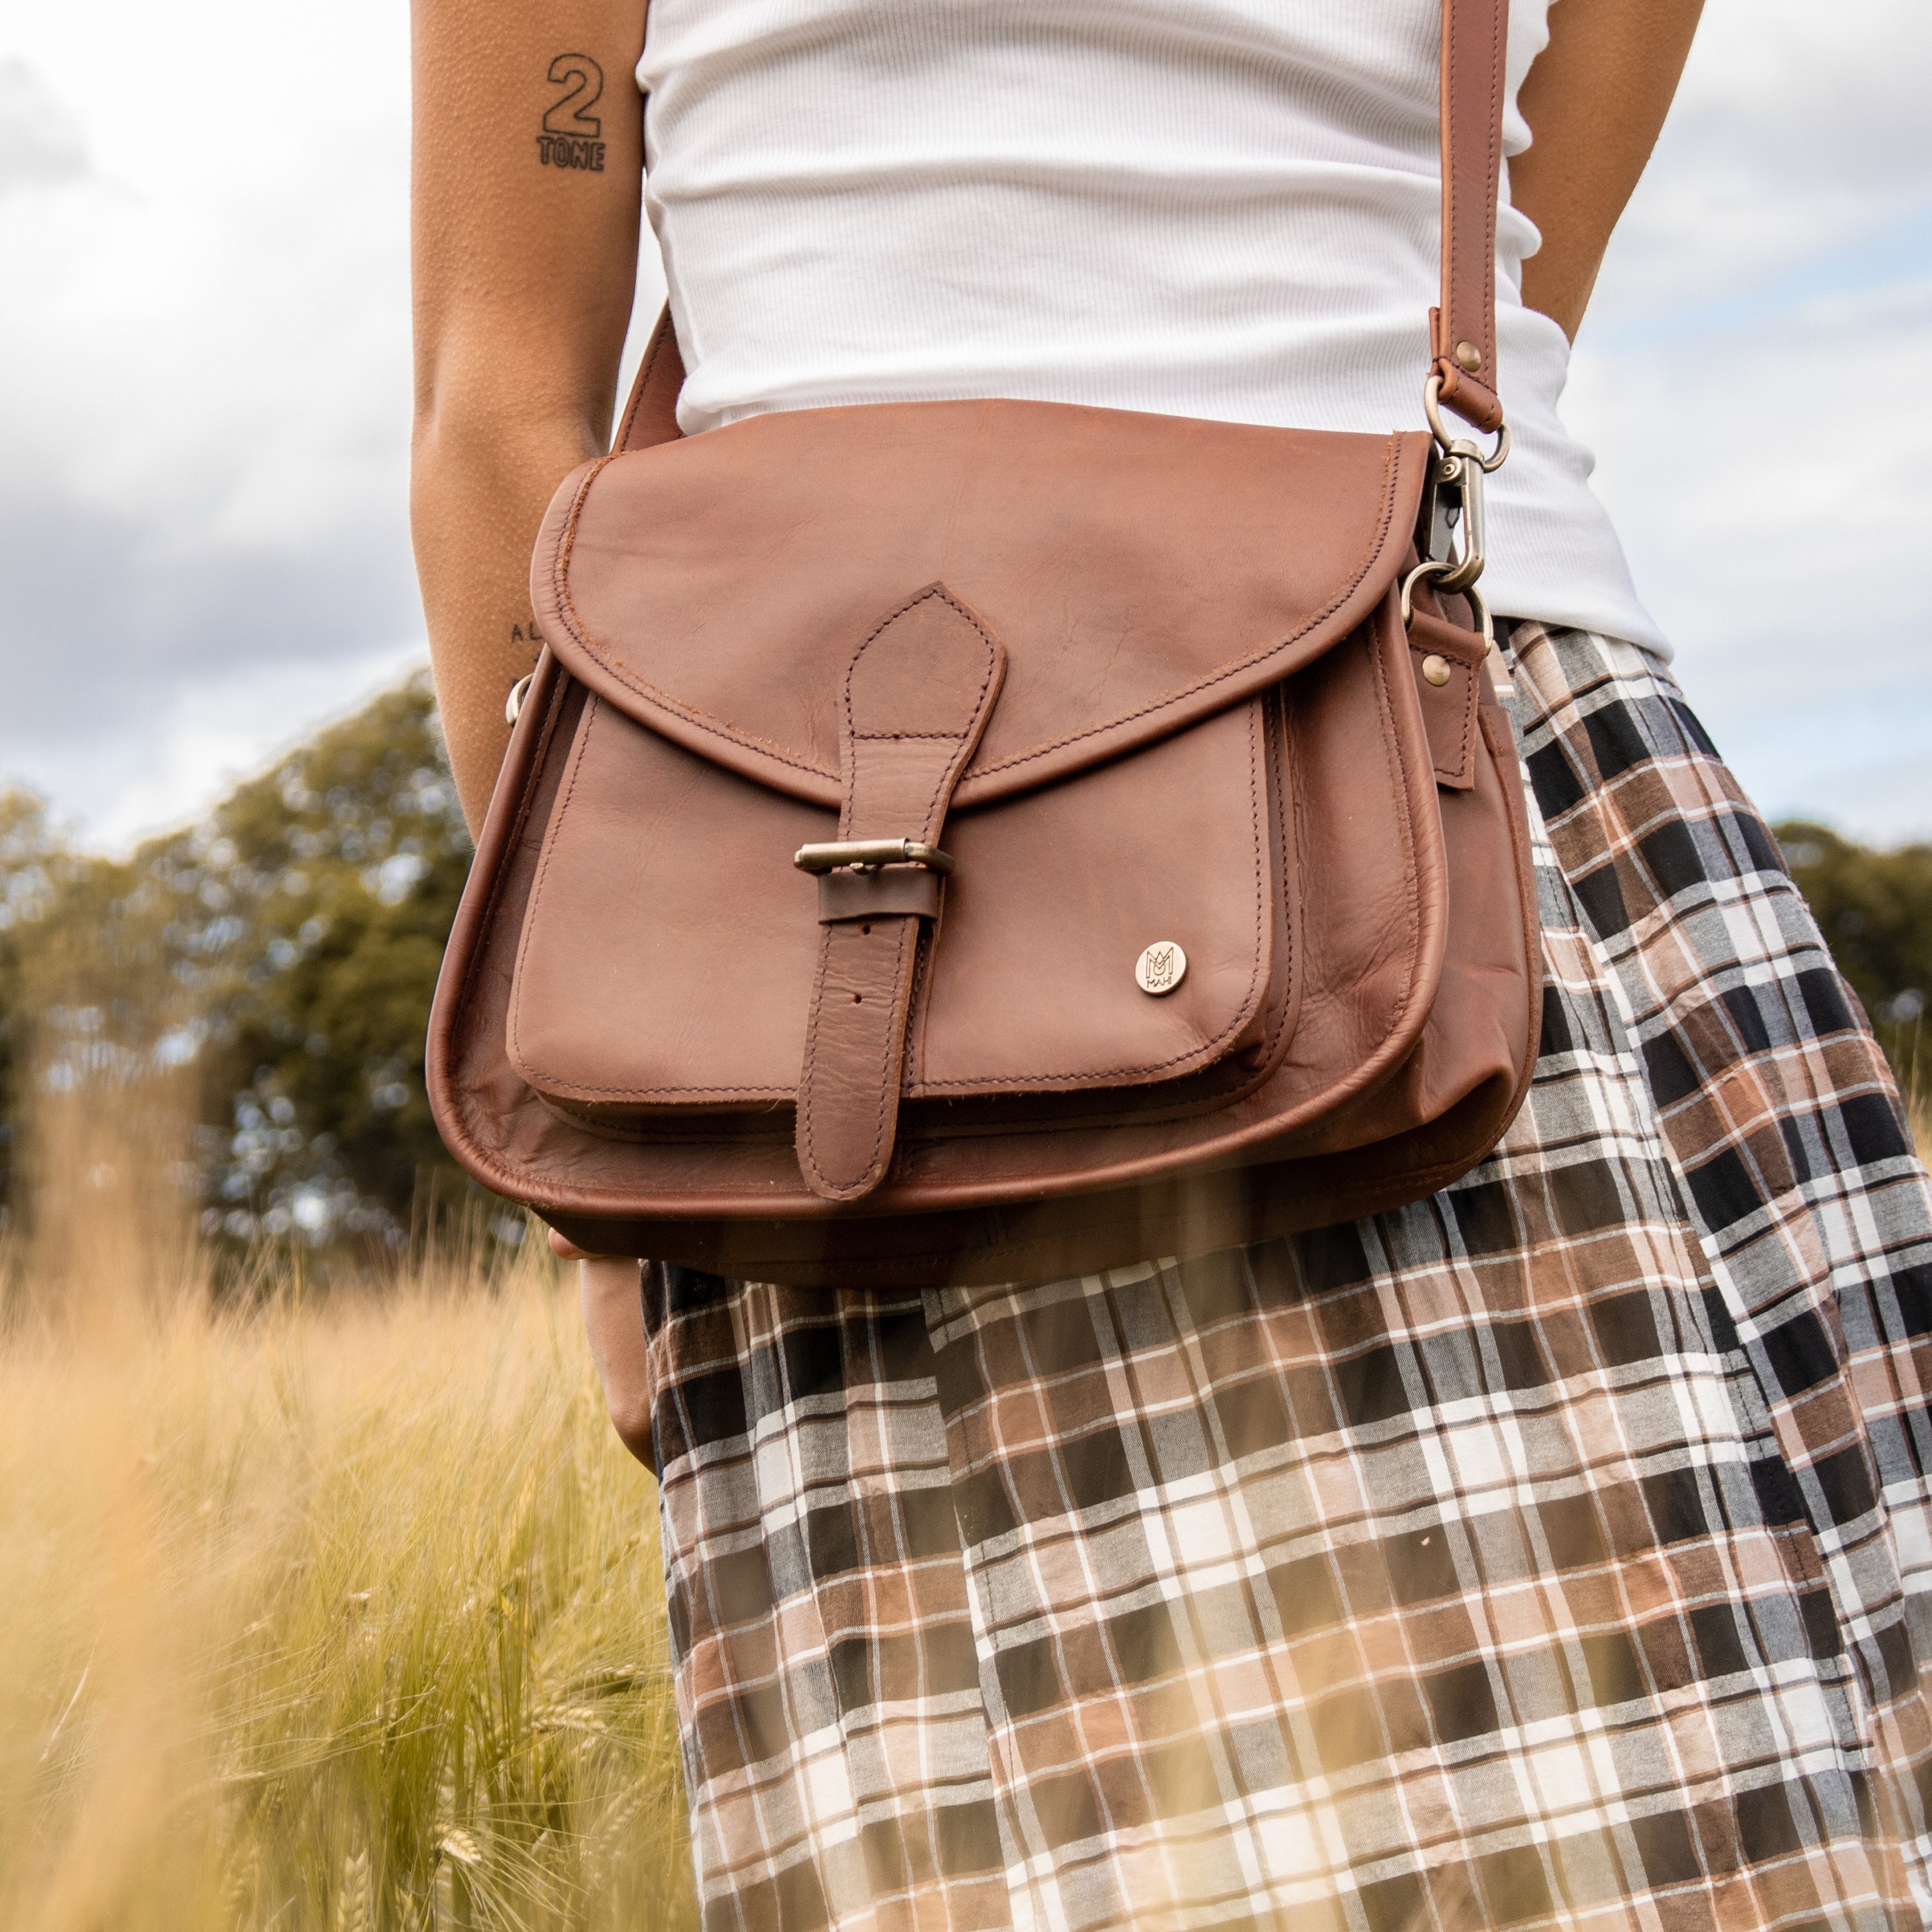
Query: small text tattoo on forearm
point(570, 136)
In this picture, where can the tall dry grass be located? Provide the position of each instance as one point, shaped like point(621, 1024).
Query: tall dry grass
point(325, 1614)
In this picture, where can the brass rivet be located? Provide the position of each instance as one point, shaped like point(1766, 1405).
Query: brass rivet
point(1161, 968)
point(1469, 357)
point(1436, 669)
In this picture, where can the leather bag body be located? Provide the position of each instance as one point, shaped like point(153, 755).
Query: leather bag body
point(982, 841)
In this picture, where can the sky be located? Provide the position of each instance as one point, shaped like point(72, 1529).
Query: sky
point(204, 397)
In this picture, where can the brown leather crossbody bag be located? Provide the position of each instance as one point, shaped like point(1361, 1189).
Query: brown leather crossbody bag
point(983, 840)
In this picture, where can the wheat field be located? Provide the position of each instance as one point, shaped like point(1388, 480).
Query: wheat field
point(330, 1612)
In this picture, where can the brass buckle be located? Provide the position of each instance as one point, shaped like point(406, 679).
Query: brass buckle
point(868, 855)
point(1451, 536)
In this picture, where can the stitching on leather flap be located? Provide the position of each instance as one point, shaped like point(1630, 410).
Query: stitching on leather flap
point(1228, 682)
point(1464, 653)
point(825, 1099)
point(1194, 1057)
point(1456, 770)
point(574, 626)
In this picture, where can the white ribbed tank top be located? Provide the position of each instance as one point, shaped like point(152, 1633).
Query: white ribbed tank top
point(1227, 209)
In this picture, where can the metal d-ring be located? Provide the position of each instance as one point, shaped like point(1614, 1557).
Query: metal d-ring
point(1432, 407)
point(1435, 567)
point(1482, 611)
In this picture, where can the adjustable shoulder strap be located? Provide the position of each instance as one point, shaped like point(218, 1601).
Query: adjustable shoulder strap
point(1461, 329)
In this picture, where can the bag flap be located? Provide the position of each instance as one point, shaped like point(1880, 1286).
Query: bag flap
point(1142, 571)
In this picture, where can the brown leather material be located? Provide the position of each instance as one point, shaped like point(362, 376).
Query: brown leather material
point(1148, 678)
point(1449, 709)
point(1492, 884)
point(1474, 35)
point(847, 894)
point(916, 698)
point(762, 548)
point(1374, 1041)
point(1031, 988)
point(591, 1188)
point(650, 417)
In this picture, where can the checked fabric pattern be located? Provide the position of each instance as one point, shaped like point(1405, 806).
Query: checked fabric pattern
point(1555, 1551)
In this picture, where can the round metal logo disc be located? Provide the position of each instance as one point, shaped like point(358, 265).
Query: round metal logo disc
point(1161, 968)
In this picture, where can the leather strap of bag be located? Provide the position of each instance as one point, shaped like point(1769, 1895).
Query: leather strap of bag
point(1462, 327)
point(918, 694)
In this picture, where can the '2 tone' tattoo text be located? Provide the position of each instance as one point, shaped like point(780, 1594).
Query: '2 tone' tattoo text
point(570, 134)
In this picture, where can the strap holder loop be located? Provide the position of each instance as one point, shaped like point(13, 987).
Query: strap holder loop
point(1453, 445)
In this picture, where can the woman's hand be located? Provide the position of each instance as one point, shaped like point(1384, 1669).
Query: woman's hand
point(613, 1317)
point(1595, 102)
point(527, 187)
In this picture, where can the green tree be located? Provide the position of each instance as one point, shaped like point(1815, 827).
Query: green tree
point(28, 852)
point(64, 1008)
point(285, 949)
point(311, 908)
point(1875, 910)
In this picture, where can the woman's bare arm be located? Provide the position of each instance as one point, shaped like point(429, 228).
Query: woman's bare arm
point(524, 273)
point(1595, 102)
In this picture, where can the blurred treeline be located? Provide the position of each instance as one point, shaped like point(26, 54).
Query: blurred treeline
point(271, 967)
point(1875, 910)
point(274, 965)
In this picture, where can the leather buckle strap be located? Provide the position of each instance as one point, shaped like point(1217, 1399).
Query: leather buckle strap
point(872, 894)
point(918, 694)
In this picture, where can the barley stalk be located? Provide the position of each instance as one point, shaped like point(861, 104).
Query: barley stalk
point(327, 1617)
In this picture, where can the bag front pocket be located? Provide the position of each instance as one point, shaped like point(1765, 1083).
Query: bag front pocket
point(667, 957)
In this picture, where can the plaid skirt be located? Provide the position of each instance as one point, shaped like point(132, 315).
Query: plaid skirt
point(1555, 1550)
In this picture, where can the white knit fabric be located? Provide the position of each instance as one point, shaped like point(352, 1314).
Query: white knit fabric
point(1227, 209)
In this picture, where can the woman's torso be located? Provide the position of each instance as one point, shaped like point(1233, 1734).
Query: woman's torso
point(1227, 208)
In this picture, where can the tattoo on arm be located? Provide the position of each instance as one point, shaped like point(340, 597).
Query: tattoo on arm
point(570, 134)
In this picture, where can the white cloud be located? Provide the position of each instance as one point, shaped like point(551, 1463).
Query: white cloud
point(41, 144)
point(205, 421)
point(202, 501)
point(1797, 138)
point(1751, 378)
point(205, 733)
point(1761, 523)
